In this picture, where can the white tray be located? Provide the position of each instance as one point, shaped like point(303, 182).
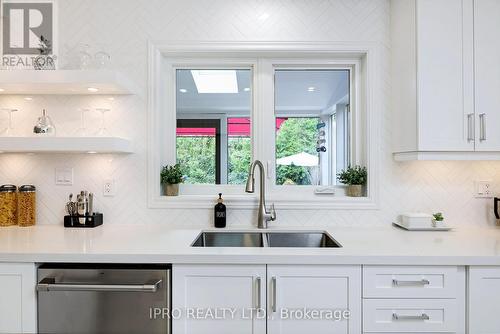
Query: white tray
point(430, 228)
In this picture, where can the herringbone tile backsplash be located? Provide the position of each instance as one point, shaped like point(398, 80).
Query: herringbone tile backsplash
point(125, 26)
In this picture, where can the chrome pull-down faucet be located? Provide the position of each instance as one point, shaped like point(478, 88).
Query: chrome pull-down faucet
point(263, 216)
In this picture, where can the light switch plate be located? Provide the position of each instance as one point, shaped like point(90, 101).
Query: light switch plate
point(64, 176)
point(483, 189)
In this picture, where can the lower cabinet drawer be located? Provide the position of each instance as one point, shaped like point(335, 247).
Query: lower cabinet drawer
point(411, 315)
point(413, 281)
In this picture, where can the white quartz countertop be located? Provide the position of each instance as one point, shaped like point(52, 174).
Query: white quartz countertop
point(158, 243)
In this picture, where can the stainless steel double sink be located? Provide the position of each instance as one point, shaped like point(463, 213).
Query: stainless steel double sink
point(310, 239)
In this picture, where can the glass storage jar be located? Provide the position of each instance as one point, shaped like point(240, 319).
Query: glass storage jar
point(8, 205)
point(26, 205)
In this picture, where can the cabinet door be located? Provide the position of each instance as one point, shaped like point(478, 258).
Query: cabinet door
point(484, 295)
point(218, 299)
point(17, 298)
point(487, 64)
point(294, 292)
point(445, 75)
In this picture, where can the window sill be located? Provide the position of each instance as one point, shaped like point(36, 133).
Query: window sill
point(202, 201)
point(325, 202)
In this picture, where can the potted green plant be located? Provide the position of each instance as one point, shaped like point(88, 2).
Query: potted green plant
point(437, 218)
point(171, 176)
point(355, 178)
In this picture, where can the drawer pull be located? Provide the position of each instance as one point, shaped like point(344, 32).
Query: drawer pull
point(423, 316)
point(396, 282)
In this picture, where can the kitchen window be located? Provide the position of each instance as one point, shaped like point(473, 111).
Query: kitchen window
point(305, 117)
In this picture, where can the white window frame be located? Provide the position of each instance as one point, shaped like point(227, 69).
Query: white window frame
point(301, 193)
point(366, 95)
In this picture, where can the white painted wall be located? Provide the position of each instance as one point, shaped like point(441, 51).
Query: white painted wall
point(125, 26)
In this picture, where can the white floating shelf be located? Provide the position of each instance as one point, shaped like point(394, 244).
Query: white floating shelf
point(65, 82)
point(65, 145)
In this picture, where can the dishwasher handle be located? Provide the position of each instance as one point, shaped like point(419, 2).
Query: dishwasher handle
point(48, 284)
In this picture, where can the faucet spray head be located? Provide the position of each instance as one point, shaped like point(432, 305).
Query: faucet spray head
point(250, 187)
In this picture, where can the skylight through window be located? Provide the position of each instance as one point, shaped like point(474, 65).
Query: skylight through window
point(215, 81)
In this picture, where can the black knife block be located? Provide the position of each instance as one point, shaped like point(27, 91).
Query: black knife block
point(90, 221)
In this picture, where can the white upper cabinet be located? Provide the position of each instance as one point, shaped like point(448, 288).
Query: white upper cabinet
point(432, 68)
point(487, 73)
point(444, 74)
point(436, 44)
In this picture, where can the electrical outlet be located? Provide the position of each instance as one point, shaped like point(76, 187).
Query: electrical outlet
point(109, 188)
point(64, 176)
point(483, 189)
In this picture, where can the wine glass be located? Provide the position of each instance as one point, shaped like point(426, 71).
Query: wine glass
point(103, 131)
point(82, 131)
point(102, 60)
point(84, 57)
point(9, 131)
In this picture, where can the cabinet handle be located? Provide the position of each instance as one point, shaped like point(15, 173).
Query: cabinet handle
point(400, 283)
point(470, 127)
point(273, 299)
point(422, 316)
point(482, 127)
point(258, 282)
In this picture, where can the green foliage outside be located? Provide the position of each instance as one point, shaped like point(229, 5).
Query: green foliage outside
point(196, 155)
point(239, 156)
point(296, 135)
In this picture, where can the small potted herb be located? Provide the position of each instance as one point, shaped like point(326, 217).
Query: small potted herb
point(437, 218)
point(355, 178)
point(171, 176)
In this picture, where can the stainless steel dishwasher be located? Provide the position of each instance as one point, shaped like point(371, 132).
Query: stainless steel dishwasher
point(75, 298)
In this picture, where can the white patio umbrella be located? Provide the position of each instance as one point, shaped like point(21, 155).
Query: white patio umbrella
point(299, 159)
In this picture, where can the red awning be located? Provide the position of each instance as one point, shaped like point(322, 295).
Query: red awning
point(236, 127)
point(188, 132)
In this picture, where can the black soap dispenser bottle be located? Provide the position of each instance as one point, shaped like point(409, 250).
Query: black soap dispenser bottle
point(220, 213)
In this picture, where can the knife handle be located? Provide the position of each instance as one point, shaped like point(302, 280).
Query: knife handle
point(497, 214)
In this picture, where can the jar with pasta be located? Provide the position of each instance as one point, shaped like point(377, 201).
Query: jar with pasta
point(26, 205)
point(8, 205)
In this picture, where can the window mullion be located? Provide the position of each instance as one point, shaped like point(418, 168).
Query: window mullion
point(223, 150)
point(263, 131)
